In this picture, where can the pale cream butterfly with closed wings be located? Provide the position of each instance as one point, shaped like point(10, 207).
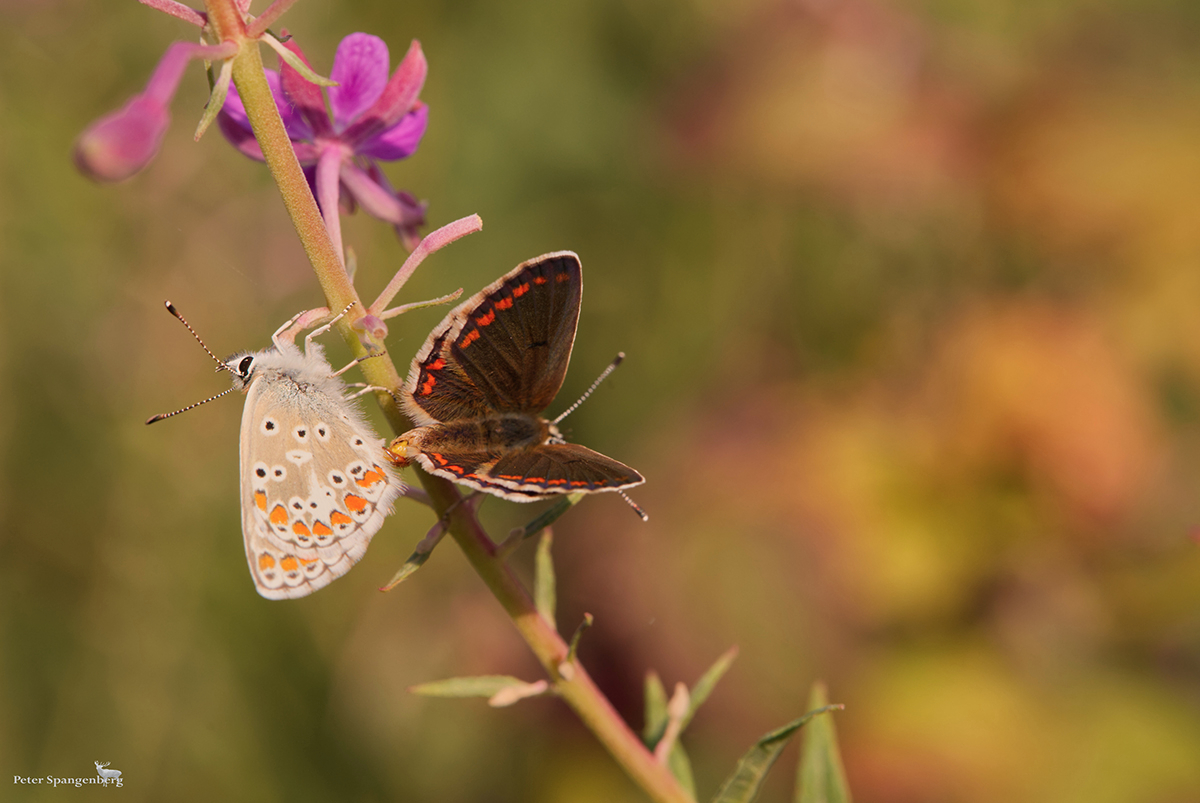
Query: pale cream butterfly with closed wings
point(315, 485)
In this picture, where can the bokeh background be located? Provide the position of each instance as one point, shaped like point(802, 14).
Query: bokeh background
point(911, 297)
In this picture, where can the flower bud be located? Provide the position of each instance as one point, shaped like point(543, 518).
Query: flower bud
point(120, 144)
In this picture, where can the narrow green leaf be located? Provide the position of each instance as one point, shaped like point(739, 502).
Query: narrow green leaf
point(544, 584)
point(547, 517)
point(482, 686)
point(820, 777)
point(296, 63)
point(567, 667)
point(655, 721)
point(708, 681)
point(681, 767)
point(417, 559)
point(743, 785)
point(216, 98)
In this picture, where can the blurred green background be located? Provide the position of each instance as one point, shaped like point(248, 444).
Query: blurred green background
point(911, 297)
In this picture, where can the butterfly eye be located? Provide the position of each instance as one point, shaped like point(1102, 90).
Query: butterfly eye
point(245, 365)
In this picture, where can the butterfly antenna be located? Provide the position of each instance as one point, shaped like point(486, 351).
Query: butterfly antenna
point(220, 363)
point(612, 366)
point(641, 513)
point(161, 416)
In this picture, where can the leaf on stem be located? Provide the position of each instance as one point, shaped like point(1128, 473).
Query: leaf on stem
point(480, 686)
point(708, 681)
point(820, 776)
point(296, 63)
point(546, 517)
point(699, 693)
point(216, 98)
point(567, 668)
point(421, 554)
point(655, 718)
point(743, 785)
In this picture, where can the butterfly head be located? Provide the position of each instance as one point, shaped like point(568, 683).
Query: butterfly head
point(404, 449)
point(241, 367)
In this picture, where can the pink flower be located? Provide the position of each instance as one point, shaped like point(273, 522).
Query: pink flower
point(370, 118)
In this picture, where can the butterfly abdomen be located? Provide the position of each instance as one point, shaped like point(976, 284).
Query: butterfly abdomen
point(493, 434)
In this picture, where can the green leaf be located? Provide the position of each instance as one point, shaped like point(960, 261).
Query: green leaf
point(547, 516)
point(743, 785)
point(820, 777)
point(681, 767)
point(216, 98)
point(544, 583)
point(655, 719)
point(482, 686)
point(296, 63)
point(703, 688)
point(708, 681)
point(417, 559)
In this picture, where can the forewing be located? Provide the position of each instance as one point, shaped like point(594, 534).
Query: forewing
point(505, 349)
point(315, 489)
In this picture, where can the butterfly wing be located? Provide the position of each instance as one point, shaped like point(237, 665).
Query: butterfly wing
point(505, 349)
point(315, 487)
point(533, 473)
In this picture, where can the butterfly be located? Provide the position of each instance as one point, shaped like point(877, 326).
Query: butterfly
point(315, 484)
point(478, 386)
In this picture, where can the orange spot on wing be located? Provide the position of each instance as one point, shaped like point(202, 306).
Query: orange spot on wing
point(278, 515)
point(484, 320)
point(556, 482)
point(265, 562)
point(338, 517)
point(308, 561)
point(470, 338)
point(562, 277)
point(300, 528)
point(436, 365)
point(289, 564)
point(579, 483)
point(369, 479)
point(540, 280)
point(260, 500)
point(319, 528)
point(438, 458)
point(520, 290)
point(504, 303)
point(427, 385)
point(355, 503)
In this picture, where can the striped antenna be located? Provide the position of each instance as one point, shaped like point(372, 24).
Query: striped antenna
point(220, 363)
point(221, 366)
point(641, 513)
point(161, 416)
point(612, 366)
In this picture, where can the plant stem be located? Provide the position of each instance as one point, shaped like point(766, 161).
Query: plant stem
point(579, 691)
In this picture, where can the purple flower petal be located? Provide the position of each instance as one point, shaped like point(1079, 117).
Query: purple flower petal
point(305, 96)
point(401, 140)
point(297, 129)
point(361, 70)
point(397, 100)
point(377, 198)
point(236, 128)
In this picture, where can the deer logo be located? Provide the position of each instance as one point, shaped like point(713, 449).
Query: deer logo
point(107, 775)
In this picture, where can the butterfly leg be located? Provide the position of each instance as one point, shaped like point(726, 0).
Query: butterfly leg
point(320, 330)
point(364, 389)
